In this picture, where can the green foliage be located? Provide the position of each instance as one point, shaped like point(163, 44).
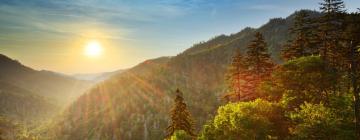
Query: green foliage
point(304, 87)
point(302, 79)
point(181, 135)
point(257, 119)
point(316, 121)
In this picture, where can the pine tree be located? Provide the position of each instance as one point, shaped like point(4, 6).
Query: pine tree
point(351, 38)
point(330, 25)
point(236, 77)
point(259, 63)
point(301, 45)
point(180, 117)
point(330, 28)
point(258, 58)
point(332, 6)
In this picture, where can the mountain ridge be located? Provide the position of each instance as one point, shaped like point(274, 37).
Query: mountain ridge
point(62, 89)
point(96, 77)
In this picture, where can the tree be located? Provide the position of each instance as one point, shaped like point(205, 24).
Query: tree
point(180, 117)
point(259, 63)
point(237, 78)
point(301, 79)
point(258, 58)
point(257, 119)
point(316, 121)
point(301, 45)
point(332, 6)
point(329, 29)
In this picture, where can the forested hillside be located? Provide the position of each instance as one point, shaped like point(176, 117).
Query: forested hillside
point(59, 88)
point(22, 110)
point(135, 103)
point(19, 104)
point(30, 98)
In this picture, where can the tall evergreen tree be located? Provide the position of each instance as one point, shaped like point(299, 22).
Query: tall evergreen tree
point(236, 77)
point(329, 29)
point(258, 61)
point(301, 45)
point(332, 6)
point(180, 117)
point(258, 58)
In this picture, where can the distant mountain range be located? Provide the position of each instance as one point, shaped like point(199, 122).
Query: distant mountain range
point(29, 95)
point(96, 77)
point(134, 104)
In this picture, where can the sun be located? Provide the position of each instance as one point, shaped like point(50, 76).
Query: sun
point(93, 48)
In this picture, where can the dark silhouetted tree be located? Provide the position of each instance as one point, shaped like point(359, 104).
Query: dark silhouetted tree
point(301, 44)
point(258, 58)
point(329, 30)
point(180, 117)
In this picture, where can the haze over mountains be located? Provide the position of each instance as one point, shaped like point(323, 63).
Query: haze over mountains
point(134, 104)
point(23, 105)
point(28, 95)
point(96, 77)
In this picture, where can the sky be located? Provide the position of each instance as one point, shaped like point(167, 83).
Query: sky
point(52, 34)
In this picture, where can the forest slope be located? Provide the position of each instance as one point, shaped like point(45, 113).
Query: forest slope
point(56, 87)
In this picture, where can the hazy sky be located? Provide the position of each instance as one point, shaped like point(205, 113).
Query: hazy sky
point(51, 34)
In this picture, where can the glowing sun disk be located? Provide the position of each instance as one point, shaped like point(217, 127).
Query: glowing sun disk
point(93, 48)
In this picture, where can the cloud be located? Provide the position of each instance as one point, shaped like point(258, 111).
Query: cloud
point(19, 19)
point(118, 19)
